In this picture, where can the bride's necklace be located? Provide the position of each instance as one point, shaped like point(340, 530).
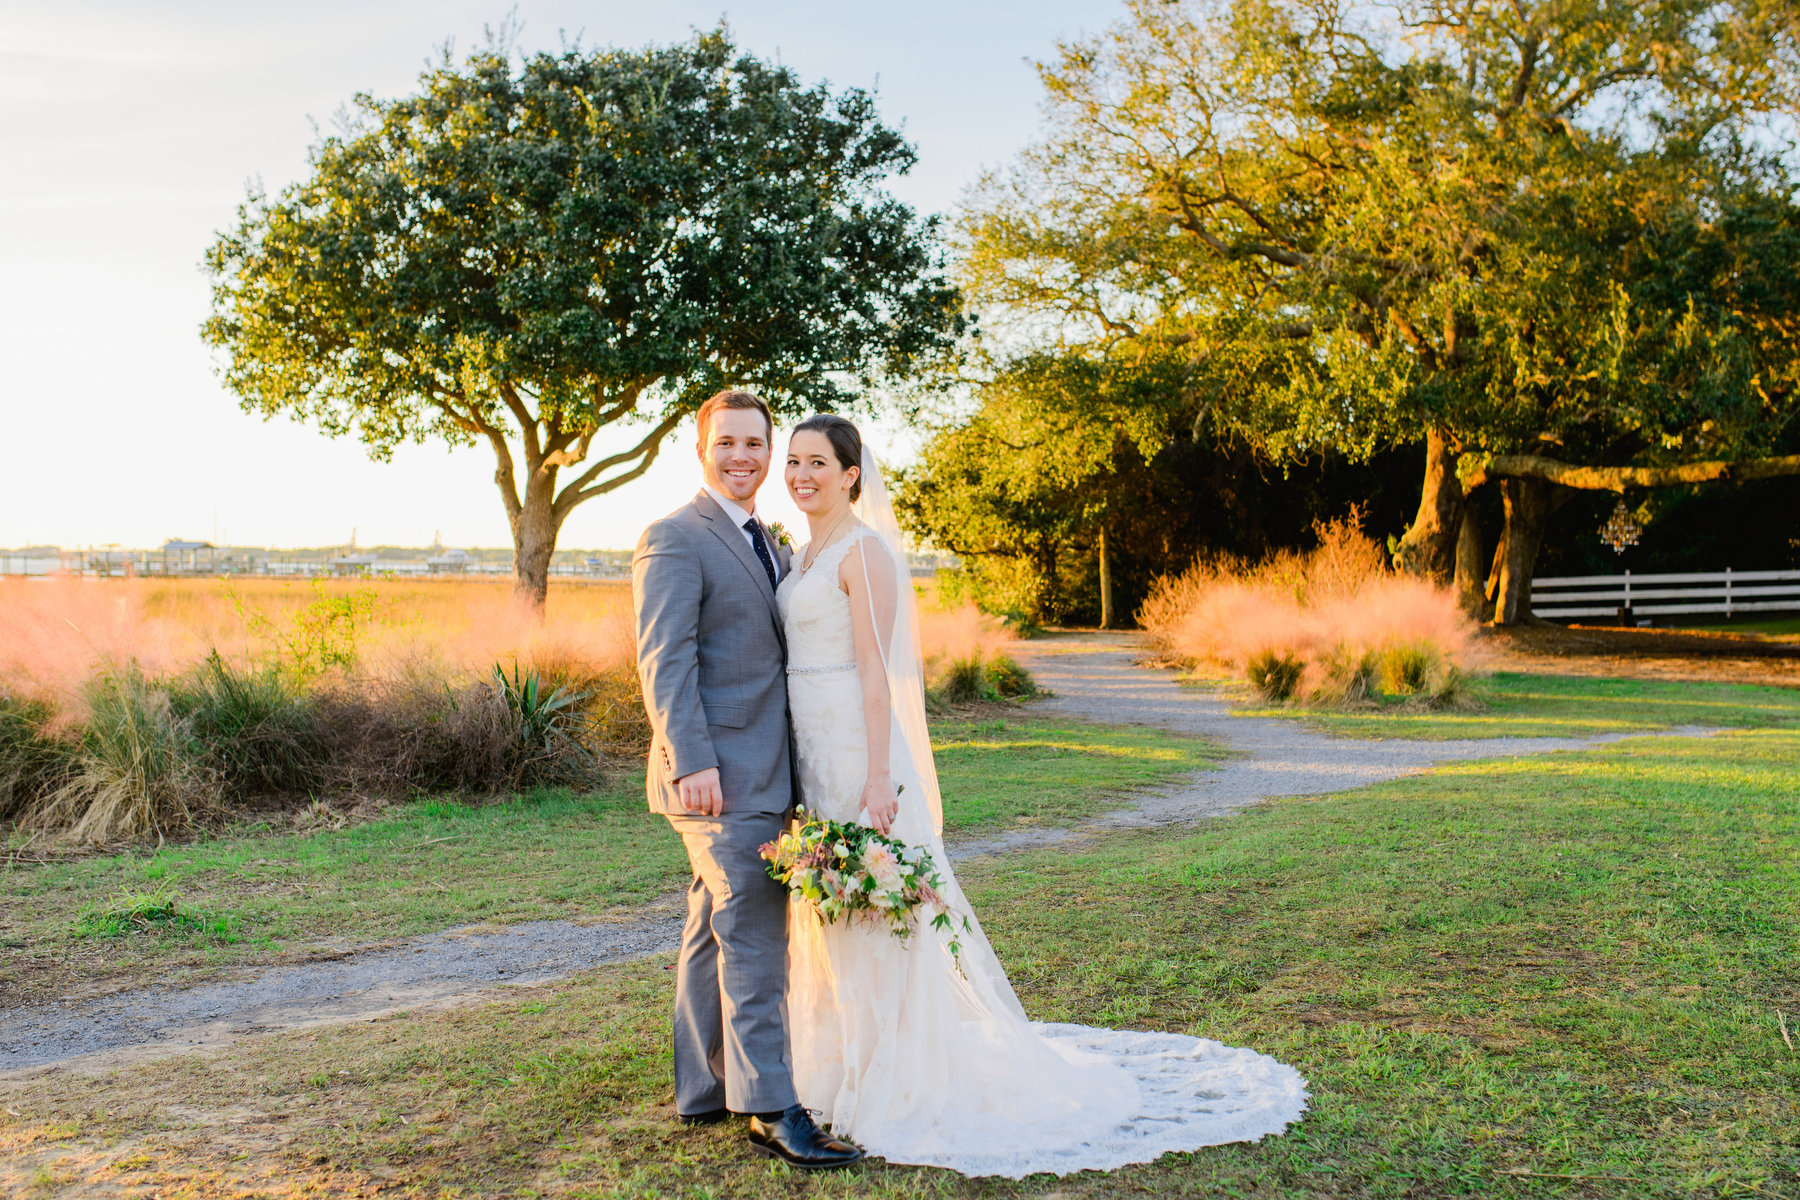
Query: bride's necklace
point(812, 556)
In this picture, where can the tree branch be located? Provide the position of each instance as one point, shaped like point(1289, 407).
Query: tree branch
point(1426, 351)
point(528, 426)
point(1527, 68)
point(1478, 471)
point(473, 422)
point(1586, 91)
point(559, 455)
point(583, 487)
point(1190, 220)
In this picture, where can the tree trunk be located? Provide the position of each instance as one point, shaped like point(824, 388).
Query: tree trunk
point(1428, 548)
point(1106, 599)
point(1530, 503)
point(1469, 562)
point(534, 532)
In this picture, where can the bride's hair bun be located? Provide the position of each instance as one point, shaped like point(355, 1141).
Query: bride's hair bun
point(846, 443)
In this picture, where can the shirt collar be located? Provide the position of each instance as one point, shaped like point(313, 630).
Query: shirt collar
point(733, 510)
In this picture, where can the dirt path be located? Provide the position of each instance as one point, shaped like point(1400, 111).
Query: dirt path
point(1093, 677)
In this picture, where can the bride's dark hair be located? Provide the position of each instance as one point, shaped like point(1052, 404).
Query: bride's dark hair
point(846, 443)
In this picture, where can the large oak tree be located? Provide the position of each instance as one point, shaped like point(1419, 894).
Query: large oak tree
point(533, 251)
point(1499, 229)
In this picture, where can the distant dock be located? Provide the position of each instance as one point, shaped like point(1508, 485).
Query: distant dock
point(178, 559)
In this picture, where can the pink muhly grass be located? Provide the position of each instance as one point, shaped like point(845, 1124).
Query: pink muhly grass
point(959, 633)
point(56, 634)
point(1337, 614)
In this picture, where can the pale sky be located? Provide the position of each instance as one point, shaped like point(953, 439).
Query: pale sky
point(128, 131)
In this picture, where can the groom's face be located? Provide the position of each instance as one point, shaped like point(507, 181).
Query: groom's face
point(735, 452)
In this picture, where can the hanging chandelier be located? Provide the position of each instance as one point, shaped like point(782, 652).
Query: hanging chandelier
point(1621, 529)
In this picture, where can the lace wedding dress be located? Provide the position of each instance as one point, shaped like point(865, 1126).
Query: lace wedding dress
point(923, 1063)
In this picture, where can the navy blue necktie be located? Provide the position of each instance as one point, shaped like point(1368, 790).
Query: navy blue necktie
point(762, 551)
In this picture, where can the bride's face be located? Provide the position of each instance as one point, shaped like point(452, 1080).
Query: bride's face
point(815, 479)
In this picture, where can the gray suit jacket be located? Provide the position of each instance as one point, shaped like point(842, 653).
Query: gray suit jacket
point(713, 661)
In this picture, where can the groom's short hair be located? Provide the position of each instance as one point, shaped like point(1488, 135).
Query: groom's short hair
point(733, 398)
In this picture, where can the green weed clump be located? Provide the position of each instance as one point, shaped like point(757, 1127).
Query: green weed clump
point(1009, 679)
point(256, 726)
point(145, 912)
point(1274, 674)
point(325, 634)
point(1348, 675)
point(964, 680)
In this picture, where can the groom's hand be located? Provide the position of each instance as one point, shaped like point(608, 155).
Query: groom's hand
point(700, 792)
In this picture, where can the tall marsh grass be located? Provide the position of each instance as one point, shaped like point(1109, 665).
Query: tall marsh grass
point(137, 770)
point(137, 708)
point(1333, 625)
point(134, 709)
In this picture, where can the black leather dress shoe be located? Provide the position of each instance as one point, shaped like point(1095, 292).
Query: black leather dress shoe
point(711, 1116)
point(793, 1138)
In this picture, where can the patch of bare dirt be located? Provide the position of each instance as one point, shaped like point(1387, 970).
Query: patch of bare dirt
point(1680, 654)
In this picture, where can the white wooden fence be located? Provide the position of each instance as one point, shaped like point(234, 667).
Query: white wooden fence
point(1727, 592)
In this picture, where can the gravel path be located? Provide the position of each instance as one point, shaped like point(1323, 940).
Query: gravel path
point(454, 967)
point(1092, 678)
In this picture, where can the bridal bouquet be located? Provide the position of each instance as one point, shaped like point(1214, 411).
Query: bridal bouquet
point(847, 871)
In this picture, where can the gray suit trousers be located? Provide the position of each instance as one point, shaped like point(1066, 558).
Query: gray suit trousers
point(731, 1045)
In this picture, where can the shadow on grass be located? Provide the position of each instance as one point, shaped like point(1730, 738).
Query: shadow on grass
point(1508, 704)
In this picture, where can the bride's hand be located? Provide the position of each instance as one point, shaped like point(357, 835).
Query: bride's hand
point(881, 802)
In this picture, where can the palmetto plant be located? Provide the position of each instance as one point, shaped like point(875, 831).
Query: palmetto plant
point(544, 715)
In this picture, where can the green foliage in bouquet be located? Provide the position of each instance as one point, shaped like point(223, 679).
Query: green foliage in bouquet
point(845, 871)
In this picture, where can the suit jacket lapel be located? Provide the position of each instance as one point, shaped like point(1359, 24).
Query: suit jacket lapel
point(733, 537)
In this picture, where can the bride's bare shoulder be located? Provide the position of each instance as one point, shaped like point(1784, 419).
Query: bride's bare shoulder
point(871, 560)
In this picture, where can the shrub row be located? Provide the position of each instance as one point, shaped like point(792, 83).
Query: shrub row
point(152, 757)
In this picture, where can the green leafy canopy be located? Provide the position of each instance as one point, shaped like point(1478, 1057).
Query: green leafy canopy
point(535, 247)
point(1519, 224)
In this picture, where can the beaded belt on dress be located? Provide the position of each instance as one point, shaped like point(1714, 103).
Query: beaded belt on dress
point(821, 670)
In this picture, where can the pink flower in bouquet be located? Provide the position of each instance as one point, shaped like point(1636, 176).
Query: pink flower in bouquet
point(880, 863)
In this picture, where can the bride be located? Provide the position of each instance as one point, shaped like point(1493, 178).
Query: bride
point(923, 1057)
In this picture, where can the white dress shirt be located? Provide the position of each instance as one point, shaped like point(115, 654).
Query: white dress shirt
point(737, 516)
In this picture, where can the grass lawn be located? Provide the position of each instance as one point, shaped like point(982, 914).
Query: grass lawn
point(1516, 705)
point(425, 866)
point(1556, 976)
point(1022, 770)
point(1773, 626)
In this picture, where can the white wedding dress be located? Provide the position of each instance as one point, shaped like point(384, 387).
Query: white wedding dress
point(920, 1062)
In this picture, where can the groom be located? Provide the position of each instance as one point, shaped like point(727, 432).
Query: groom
point(712, 658)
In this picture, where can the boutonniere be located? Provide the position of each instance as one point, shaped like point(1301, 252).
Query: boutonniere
point(782, 537)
